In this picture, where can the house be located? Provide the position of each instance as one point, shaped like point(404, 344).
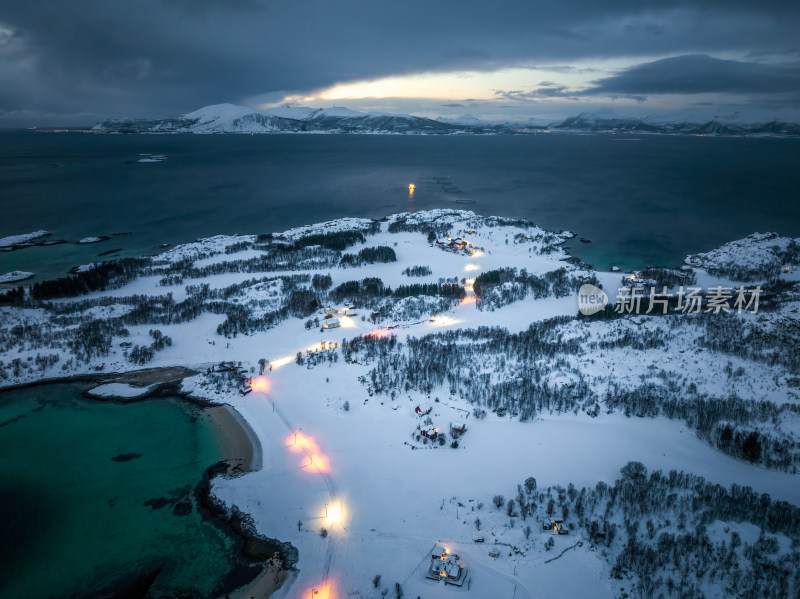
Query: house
point(246, 389)
point(331, 323)
point(330, 311)
point(457, 431)
point(432, 434)
point(446, 567)
point(560, 528)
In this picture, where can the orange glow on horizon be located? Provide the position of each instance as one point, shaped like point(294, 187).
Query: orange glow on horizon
point(260, 383)
point(379, 333)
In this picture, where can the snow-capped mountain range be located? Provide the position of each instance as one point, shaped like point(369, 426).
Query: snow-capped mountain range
point(231, 118)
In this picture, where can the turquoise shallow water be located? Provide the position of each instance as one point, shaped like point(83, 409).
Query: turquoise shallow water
point(642, 202)
point(75, 522)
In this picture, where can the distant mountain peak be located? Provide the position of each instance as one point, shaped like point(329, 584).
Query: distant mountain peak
point(233, 118)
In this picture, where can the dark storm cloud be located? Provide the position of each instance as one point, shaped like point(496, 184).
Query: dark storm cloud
point(696, 74)
point(162, 57)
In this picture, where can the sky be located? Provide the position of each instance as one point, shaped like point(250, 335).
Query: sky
point(76, 62)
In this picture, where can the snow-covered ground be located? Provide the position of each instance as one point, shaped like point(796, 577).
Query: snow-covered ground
point(15, 275)
point(13, 240)
point(334, 442)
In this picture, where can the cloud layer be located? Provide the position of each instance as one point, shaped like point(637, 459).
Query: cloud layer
point(163, 57)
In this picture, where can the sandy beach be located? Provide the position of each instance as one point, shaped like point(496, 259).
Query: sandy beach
point(240, 444)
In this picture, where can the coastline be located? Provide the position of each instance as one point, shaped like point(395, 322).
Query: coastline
point(239, 442)
point(241, 453)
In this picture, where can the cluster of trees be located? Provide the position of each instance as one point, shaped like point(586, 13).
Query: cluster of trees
point(763, 342)
point(669, 277)
point(669, 532)
point(142, 354)
point(361, 292)
point(739, 270)
point(16, 367)
point(381, 253)
point(500, 287)
point(452, 290)
point(105, 275)
point(337, 240)
point(417, 271)
point(516, 369)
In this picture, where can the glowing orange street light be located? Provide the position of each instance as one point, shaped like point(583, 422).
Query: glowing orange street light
point(260, 383)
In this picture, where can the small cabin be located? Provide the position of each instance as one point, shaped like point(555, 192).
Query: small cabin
point(331, 311)
point(560, 528)
point(331, 323)
point(245, 390)
point(432, 434)
point(457, 431)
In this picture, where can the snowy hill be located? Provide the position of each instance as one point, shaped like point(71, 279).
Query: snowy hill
point(231, 118)
point(667, 125)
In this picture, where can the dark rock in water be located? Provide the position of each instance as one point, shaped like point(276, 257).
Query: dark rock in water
point(126, 457)
point(156, 503)
point(182, 508)
point(108, 252)
point(584, 240)
point(12, 420)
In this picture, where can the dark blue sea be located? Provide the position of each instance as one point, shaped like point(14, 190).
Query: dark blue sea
point(647, 200)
